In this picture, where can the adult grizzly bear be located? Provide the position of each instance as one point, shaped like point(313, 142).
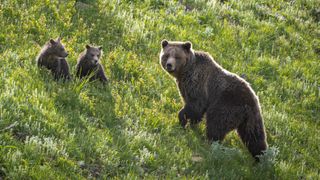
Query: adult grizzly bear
point(206, 88)
point(53, 57)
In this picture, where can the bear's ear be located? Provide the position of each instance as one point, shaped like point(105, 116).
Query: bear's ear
point(88, 46)
point(187, 45)
point(100, 48)
point(59, 39)
point(52, 42)
point(164, 43)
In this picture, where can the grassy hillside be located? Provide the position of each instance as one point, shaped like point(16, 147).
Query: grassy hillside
point(129, 129)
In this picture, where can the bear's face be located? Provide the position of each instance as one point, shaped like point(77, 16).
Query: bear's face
point(57, 48)
point(174, 56)
point(93, 54)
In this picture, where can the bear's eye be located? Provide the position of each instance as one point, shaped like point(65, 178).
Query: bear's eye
point(165, 56)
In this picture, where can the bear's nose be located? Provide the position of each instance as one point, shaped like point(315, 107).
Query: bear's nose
point(169, 66)
point(67, 54)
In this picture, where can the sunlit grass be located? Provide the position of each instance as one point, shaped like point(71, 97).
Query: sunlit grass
point(129, 129)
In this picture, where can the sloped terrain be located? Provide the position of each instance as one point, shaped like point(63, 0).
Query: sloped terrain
point(129, 129)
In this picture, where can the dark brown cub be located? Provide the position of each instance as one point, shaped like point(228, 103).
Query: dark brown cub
point(89, 64)
point(53, 57)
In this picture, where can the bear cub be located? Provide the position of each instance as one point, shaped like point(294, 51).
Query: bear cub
point(89, 64)
point(226, 100)
point(53, 57)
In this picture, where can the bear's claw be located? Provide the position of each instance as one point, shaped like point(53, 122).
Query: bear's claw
point(183, 118)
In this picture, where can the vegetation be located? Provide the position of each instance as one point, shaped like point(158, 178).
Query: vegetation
point(129, 129)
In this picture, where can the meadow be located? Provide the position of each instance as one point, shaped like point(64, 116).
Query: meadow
point(129, 129)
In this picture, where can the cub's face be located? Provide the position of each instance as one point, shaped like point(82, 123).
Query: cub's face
point(57, 48)
point(93, 54)
point(174, 56)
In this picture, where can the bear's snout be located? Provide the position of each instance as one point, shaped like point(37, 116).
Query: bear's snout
point(63, 54)
point(94, 61)
point(169, 67)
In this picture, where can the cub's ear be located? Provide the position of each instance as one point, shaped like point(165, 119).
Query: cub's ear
point(59, 39)
point(187, 45)
point(164, 43)
point(100, 48)
point(88, 46)
point(52, 42)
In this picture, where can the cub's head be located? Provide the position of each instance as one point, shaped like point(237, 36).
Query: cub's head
point(93, 54)
point(175, 55)
point(57, 49)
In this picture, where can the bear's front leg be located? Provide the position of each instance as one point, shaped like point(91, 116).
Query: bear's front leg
point(194, 121)
point(101, 75)
point(182, 118)
point(189, 113)
point(65, 70)
point(56, 69)
point(194, 116)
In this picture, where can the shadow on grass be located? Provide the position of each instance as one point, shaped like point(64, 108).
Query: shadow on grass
point(88, 112)
point(225, 160)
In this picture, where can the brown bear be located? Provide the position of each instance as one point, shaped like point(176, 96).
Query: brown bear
point(226, 99)
point(53, 57)
point(89, 64)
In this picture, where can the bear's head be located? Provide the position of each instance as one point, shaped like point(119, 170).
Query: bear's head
point(93, 54)
point(175, 55)
point(57, 49)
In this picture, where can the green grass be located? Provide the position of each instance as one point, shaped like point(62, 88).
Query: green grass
point(129, 129)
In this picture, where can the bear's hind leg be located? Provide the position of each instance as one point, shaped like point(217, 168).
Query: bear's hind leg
point(253, 136)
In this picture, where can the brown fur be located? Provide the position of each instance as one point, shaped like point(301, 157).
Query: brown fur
point(53, 57)
point(89, 62)
point(207, 89)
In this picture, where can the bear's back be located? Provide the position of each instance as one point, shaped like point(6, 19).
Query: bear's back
point(219, 81)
